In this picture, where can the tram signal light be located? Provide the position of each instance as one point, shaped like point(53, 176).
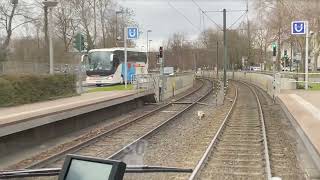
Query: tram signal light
point(274, 49)
point(79, 42)
point(286, 53)
point(161, 52)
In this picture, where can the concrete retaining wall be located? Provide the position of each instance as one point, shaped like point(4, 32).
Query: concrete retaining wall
point(178, 84)
point(265, 81)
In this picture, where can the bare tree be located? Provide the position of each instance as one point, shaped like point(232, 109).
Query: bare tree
point(277, 15)
point(66, 23)
point(9, 14)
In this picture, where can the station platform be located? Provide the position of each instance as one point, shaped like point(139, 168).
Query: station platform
point(303, 109)
point(19, 118)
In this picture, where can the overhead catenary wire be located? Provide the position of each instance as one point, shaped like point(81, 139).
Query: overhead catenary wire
point(204, 12)
point(185, 17)
point(238, 19)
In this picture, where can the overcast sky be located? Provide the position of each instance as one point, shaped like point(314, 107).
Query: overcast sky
point(164, 20)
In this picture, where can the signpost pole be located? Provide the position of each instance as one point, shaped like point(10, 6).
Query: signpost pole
point(125, 58)
point(129, 33)
point(307, 57)
point(300, 28)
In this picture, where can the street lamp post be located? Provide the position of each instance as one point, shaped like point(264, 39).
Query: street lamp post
point(308, 35)
point(148, 31)
point(149, 45)
point(50, 5)
point(117, 38)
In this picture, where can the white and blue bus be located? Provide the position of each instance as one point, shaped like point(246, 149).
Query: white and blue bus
point(106, 66)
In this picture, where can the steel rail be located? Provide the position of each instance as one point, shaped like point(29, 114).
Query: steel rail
point(88, 142)
point(265, 141)
point(209, 149)
point(201, 163)
point(122, 152)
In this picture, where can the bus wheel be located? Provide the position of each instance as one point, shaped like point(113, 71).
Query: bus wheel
point(98, 85)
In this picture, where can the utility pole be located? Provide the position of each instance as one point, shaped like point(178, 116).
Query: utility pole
point(50, 42)
point(225, 47)
point(279, 37)
point(195, 61)
point(45, 29)
point(217, 63)
point(161, 84)
point(291, 56)
point(95, 21)
point(249, 34)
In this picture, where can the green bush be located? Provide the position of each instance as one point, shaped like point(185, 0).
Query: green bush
point(24, 89)
point(6, 92)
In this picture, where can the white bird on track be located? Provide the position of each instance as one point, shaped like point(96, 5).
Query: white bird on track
point(200, 114)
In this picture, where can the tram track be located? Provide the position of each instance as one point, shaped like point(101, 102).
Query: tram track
point(96, 133)
point(251, 143)
point(282, 146)
point(110, 141)
point(248, 143)
point(239, 149)
point(182, 142)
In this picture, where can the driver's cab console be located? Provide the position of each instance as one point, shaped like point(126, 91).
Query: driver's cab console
point(86, 168)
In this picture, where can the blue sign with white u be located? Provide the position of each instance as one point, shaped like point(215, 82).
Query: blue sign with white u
point(133, 33)
point(298, 27)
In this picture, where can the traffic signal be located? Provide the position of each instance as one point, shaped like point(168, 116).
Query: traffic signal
point(285, 53)
point(79, 42)
point(274, 49)
point(161, 52)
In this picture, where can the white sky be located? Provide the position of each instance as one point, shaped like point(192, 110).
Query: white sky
point(163, 20)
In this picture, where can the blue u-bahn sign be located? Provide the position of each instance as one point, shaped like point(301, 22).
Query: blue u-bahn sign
point(133, 32)
point(299, 27)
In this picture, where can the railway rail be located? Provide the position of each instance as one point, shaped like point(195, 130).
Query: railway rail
point(126, 150)
point(239, 149)
point(282, 144)
point(248, 141)
point(246, 145)
point(105, 144)
point(182, 142)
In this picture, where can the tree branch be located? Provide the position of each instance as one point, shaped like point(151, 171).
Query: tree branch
point(26, 22)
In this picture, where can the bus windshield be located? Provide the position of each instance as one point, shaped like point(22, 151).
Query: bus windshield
point(100, 61)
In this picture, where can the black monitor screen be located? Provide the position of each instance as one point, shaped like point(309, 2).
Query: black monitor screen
point(88, 168)
point(85, 170)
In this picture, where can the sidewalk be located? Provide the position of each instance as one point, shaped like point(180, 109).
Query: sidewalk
point(304, 107)
point(27, 116)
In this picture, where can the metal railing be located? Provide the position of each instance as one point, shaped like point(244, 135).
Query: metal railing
point(143, 83)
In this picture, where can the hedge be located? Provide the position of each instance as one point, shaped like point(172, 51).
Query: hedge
point(23, 89)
